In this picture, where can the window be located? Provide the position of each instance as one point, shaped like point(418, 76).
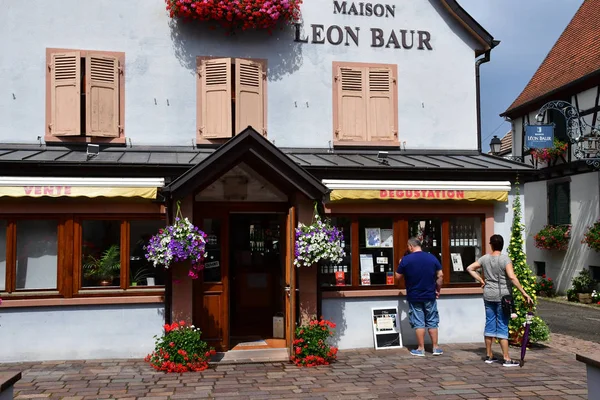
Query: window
point(231, 97)
point(365, 104)
point(37, 254)
point(540, 268)
point(212, 264)
point(3, 244)
point(465, 247)
point(71, 255)
point(85, 96)
point(375, 245)
point(141, 271)
point(595, 270)
point(340, 274)
point(559, 203)
point(113, 256)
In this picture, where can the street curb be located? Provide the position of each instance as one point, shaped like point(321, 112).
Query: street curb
point(568, 303)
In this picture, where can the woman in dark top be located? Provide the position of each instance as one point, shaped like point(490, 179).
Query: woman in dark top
point(499, 274)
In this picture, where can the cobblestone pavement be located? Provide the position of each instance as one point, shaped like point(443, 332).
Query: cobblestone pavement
point(573, 345)
point(364, 374)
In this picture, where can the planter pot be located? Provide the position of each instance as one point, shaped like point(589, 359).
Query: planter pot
point(585, 298)
point(105, 282)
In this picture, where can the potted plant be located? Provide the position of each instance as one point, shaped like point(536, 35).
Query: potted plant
point(545, 287)
point(317, 242)
point(592, 236)
point(105, 268)
point(553, 237)
point(550, 154)
point(584, 285)
point(139, 276)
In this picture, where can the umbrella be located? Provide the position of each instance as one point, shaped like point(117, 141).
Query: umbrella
point(527, 324)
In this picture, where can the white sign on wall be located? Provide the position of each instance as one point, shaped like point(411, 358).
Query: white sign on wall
point(386, 328)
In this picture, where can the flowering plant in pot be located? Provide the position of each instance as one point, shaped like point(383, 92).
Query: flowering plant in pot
point(180, 349)
point(592, 236)
point(553, 237)
point(238, 14)
point(319, 241)
point(550, 154)
point(583, 286)
point(311, 347)
point(545, 287)
point(178, 242)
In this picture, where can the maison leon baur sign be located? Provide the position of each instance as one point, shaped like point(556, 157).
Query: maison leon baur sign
point(350, 36)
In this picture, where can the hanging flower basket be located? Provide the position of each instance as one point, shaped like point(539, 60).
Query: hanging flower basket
point(237, 14)
point(592, 236)
point(551, 153)
point(181, 241)
point(317, 242)
point(553, 237)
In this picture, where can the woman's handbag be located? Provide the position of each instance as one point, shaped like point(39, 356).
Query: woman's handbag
point(507, 301)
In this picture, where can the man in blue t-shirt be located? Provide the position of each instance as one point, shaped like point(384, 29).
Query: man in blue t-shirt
point(423, 276)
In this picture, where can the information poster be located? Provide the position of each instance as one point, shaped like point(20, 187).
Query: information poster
point(457, 264)
point(386, 328)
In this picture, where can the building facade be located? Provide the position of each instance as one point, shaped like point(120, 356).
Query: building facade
point(120, 118)
point(569, 182)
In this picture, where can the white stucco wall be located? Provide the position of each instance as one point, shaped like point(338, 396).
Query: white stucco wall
point(79, 332)
point(437, 107)
point(562, 266)
point(462, 319)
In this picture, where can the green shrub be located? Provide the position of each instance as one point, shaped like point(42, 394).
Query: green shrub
point(584, 283)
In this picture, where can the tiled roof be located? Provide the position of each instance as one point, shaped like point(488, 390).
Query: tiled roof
point(506, 146)
point(575, 55)
point(185, 157)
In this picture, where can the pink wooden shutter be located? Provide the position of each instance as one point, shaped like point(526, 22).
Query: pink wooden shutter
point(102, 96)
point(380, 112)
point(65, 94)
point(214, 114)
point(351, 105)
point(249, 96)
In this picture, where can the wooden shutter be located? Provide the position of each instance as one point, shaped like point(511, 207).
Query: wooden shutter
point(250, 79)
point(351, 105)
point(65, 94)
point(214, 104)
point(380, 111)
point(102, 96)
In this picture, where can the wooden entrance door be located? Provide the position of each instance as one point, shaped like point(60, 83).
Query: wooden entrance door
point(290, 278)
point(211, 290)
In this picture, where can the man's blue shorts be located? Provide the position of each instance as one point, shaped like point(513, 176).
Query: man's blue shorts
point(496, 322)
point(423, 314)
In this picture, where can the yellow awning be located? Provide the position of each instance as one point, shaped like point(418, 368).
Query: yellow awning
point(77, 191)
point(421, 194)
point(35, 187)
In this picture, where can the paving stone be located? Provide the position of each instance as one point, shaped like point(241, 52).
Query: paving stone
point(358, 374)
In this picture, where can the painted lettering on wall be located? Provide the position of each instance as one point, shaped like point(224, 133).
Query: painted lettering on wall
point(350, 35)
point(47, 190)
point(422, 194)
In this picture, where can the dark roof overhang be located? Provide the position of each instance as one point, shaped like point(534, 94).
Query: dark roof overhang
point(251, 148)
point(472, 26)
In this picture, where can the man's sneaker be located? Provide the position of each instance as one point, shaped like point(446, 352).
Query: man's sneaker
point(510, 363)
point(418, 353)
point(490, 360)
point(438, 352)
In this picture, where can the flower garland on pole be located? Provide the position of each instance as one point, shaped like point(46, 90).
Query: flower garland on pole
point(539, 330)
point(237, 14)
point(319, 241)
point(176, 243)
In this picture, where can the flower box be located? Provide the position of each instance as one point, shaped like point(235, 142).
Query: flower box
point(553, 237)
point(550, 154)
point(592, 236)
point(237, 14)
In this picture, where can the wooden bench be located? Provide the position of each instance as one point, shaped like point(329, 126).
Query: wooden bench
point(592, 363)
point(7, 381)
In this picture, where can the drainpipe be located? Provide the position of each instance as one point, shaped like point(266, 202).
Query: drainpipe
point(478, 63)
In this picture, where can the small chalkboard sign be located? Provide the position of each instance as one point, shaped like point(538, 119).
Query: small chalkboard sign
point(386, 328)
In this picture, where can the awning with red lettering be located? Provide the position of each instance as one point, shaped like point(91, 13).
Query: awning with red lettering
point(417, 190)
point(145, 188)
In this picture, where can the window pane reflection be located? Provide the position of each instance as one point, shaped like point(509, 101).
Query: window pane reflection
point(37, 257)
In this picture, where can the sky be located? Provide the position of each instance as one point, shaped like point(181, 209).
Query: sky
point(527, 30)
